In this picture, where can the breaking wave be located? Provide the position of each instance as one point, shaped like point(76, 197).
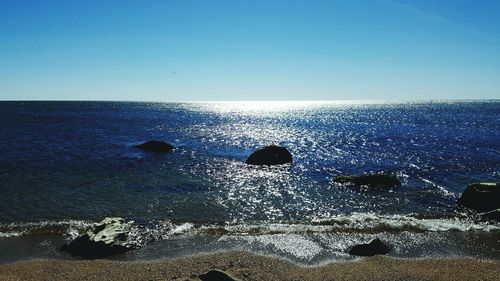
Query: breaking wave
point(356, 223)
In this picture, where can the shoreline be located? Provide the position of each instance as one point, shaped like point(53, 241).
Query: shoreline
point(249, 266)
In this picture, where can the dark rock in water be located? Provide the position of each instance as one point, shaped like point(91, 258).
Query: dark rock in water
point(270, 155)
point(217, 275)
point(374, 180)
point(376, 247)
point(156, 146)
point(491, 215)
point(482, 197)
point(109, 237)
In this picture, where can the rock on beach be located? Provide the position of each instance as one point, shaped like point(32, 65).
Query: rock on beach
point(375, 247)
point(109, 237)
point(217, 275)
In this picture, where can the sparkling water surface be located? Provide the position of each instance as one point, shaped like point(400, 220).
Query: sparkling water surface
point(76, 160)
point(69, 163)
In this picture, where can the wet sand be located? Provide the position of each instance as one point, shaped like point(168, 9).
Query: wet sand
point(247, 266)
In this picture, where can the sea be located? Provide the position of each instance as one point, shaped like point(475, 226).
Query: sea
point(67, 164)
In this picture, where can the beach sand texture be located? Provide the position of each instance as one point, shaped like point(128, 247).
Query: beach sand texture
point(247, 266)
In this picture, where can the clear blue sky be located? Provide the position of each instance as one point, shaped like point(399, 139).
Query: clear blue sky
point(249, 50)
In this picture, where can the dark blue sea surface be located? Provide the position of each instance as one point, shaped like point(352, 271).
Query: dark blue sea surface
point(68, 162)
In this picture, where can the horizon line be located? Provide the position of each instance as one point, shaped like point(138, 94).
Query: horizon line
point(261, 101)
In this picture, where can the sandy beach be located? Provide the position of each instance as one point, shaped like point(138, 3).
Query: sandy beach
point(247, 266)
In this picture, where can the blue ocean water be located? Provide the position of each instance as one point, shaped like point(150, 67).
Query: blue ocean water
point(75, 162)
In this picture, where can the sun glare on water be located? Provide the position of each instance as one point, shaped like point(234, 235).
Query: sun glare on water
point(259, 107)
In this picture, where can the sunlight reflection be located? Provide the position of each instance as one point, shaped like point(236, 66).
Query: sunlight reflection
point(259, 107)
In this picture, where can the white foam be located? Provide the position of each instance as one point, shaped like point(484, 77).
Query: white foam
point(292, 244)
point(180, 229)
point(11, 234)
point(440, 188)
point(19, 229)
point(361, 221)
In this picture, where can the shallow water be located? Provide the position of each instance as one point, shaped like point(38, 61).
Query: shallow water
point(66, 164)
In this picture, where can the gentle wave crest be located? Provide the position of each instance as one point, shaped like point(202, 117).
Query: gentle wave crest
point(357, 222)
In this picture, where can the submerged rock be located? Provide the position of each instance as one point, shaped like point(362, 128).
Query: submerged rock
point(217, 275)
point(373, 180)
point(375, 247)
point(270, 155)
point(482, 197)
point(109, 237)
point(156, 146)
